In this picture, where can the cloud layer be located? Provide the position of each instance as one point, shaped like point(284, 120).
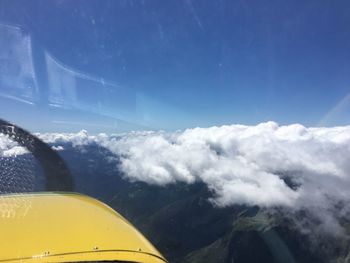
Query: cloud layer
point(289, 167)
point(266, 165)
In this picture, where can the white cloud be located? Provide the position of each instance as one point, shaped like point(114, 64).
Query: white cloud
point(249, 165)
point(80, 138)
point(243, 164)
point(9, 147)
point(57, 148)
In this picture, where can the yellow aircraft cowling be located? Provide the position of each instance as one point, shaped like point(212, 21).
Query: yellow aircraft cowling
point(67, 227)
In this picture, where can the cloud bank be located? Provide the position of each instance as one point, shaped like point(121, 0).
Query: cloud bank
point(265, 165)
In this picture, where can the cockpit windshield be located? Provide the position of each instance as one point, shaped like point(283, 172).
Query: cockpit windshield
point(219, 129)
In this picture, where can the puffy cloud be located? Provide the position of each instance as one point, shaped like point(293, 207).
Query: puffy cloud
point(57, 148)
point(265, 165)
point(290, 167)
point(80, 138)
point(268, 165)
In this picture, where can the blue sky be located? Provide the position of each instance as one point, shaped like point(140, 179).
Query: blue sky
point(191, 63)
